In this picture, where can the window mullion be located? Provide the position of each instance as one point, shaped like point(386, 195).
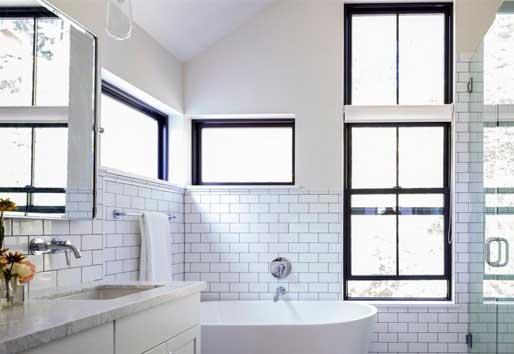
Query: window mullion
point(34, 62)
point(397, 201)
point(397, 59)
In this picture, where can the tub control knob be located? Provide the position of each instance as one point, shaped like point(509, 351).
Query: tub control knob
point(280, 268)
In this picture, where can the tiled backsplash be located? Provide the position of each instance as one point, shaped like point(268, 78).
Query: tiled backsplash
point(110, 248)
point(233, 235)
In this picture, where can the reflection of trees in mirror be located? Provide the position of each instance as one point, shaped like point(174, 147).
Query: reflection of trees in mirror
point(17, 52)
point(15, 35)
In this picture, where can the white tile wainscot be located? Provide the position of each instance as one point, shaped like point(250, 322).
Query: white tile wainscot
point(233, 234)
point(110, 248)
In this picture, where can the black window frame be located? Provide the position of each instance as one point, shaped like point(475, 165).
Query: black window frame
point(399, 9)
point(347, 213)
point(161, 118)
point(199, 124)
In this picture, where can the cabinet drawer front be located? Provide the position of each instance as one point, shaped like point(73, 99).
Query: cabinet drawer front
point(185, 343)
point(142, 331)
point(98, 340)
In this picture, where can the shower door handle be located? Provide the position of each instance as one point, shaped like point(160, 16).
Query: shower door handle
point(503, 252)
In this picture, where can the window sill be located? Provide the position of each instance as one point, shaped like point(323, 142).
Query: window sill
point(413, 303)
point(111, 173)
point(243, 187)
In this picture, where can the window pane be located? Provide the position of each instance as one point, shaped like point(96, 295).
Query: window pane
point(49, 199)
point(15, 152)
point(51, 157)
point(430, 289)
point(421, 235)
point(499, 157)
point(498, 54)
point(422, 57)
point(20, 199)
point(373, 157)
point(53, 61)
point(258, 155)
point(374, 59)
point(16, 58)
point(130, 141)
point(373, 234)
point(499, 200)
point(421, 157)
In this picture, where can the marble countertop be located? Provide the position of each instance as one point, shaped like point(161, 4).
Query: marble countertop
point(43, 319)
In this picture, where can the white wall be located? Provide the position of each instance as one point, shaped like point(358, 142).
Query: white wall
point(287, 59)
point(473, 20)
point(141, 60)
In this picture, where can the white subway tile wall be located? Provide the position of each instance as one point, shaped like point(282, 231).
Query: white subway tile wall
point(228, 236)
point(233, 235)
point(110, 248)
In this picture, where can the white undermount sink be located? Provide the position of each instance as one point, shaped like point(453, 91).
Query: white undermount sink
point(103, 292)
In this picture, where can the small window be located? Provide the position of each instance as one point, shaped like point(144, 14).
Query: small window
point(243, 152)
point(398, 54)
point(396, 214)
point(135, 135)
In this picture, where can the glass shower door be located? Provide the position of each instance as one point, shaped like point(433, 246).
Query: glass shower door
point(491, 283)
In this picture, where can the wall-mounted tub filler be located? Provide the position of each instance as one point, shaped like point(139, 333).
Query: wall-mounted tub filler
point(280, 268)
point(38, 246)
point(281, 291)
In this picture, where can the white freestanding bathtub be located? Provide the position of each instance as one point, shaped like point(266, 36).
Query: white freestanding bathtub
point(286, 327)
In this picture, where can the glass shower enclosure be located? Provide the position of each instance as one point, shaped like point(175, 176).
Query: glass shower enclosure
point(490, 147)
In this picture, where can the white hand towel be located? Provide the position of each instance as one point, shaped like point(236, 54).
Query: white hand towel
point(155, 261)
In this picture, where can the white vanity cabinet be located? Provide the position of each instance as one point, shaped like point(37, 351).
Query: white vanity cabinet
point(170, 328)
point(163, 324)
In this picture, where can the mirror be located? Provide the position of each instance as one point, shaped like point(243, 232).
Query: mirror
point(48, 107)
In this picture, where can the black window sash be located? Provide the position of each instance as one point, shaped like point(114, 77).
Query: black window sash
point(161, 118)
point(199, 124)
point(348, 211)
point(399, 9)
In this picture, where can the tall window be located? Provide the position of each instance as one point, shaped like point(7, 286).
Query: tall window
point(398, 54)
point(135, 137)
point(397, 243)
point(397, 204)
point(34, 73)
point(243, 152)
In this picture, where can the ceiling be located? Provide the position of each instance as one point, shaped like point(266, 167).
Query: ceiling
point(187, 27)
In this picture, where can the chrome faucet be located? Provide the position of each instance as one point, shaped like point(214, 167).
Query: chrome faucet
point(281, 291)
point(38, 246)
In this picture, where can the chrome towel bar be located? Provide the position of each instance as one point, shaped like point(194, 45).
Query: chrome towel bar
point(116, 214)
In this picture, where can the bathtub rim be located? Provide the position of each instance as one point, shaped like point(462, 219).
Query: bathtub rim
point(373, 313)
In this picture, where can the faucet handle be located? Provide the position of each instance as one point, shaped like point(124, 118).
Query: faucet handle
point(60, 242)
point(67, 255)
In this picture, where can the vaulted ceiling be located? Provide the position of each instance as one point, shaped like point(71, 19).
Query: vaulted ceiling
point(187, 27)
